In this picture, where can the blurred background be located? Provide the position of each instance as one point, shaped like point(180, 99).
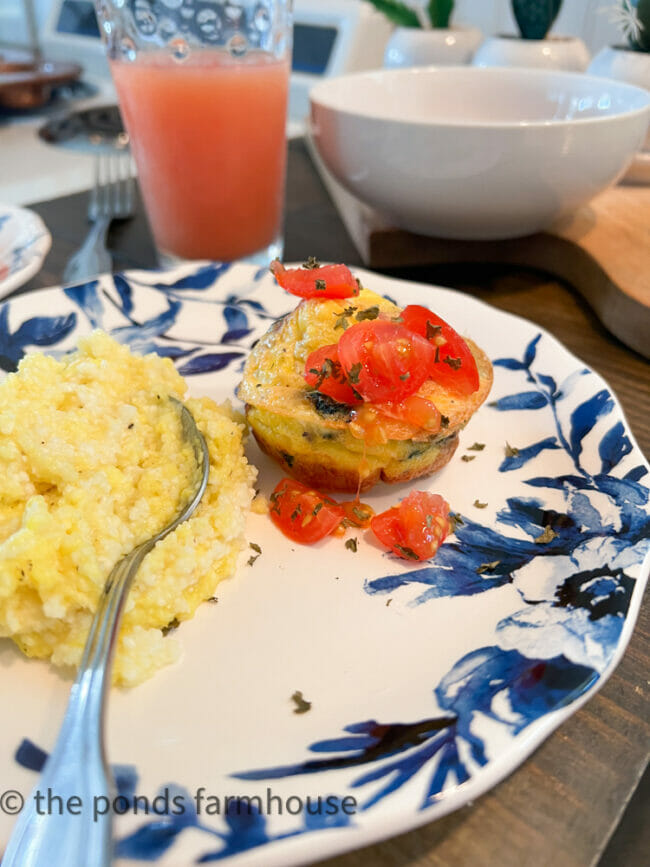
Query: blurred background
point(577, 18)
point(330, 37)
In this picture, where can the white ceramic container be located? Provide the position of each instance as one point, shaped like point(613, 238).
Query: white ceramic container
point(460, 152)
point(555, 52)
point(412, 46)
point(624, 64)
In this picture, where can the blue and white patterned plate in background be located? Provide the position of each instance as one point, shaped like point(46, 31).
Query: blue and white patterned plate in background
point(24, 243)
point(428, 684)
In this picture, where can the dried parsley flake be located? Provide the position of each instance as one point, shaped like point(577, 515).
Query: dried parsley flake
point(352, 545)
point(302, 705)
point(488, 567)
point(547, 536)
point(455, 520)
point(173, 624)
point(342, 320)
point(409, 553)
point(255, 547)
point(369, 313)
point(353, 373)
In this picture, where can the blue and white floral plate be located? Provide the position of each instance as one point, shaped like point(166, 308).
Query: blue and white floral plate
point(428, 684)
point(24, 243)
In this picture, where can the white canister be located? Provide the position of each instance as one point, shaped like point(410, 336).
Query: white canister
point(555, 52)
point(439, 46)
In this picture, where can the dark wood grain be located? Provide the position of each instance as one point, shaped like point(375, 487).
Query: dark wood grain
point(564, 803)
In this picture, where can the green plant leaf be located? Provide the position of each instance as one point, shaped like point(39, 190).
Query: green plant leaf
point(397, 12)
point(535, 17)
point(440, 12)
point(641, 11)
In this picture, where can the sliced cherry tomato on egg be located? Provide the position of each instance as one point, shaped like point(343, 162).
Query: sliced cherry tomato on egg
point(414, 410)
point(323, 372)
point(416, 528)
point(384, 361)
point(453, 364)
point(320, 281)
point(303, 514)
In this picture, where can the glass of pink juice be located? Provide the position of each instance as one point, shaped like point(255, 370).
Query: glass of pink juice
point(203, 93)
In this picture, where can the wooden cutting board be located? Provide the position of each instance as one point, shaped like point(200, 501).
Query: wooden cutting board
point(603, 251)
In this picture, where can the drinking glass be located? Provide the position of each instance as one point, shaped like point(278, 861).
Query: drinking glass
point(203, 91)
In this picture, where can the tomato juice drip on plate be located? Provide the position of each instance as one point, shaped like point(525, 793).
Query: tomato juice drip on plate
point(357, 514)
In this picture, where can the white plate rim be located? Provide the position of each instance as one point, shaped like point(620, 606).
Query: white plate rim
point(301, 849)
point(40, 242)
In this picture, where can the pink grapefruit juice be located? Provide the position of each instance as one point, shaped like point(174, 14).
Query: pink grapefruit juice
point(208, 137)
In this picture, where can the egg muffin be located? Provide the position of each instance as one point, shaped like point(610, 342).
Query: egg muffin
point(335, 445)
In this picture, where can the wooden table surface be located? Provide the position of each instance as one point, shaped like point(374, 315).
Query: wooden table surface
point(564, 804)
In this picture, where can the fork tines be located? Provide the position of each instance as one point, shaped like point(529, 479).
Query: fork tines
point(113, 190)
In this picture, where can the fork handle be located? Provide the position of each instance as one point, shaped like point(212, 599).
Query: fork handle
point(94, 247)
point(67, 820)
point(92, 257)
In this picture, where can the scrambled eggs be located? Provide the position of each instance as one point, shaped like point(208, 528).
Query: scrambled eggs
point(93, 462)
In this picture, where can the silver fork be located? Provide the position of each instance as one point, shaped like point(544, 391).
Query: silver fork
point(111, 198)
point(77, 768)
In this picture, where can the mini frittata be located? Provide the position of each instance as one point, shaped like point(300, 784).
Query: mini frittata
point(93, 462)
point(335, 445)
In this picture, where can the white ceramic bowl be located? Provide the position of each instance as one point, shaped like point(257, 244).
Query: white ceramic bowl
point(462, 152)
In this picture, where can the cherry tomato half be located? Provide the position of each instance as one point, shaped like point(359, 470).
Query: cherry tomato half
point(384, 361)
point(303, 514)
point(321, 281)
point(323, 372)
point(414, 410)
point(453, 364)
point(416, 528)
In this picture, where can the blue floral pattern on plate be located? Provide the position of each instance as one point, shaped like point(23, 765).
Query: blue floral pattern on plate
point(547, 572)
point(24, 243)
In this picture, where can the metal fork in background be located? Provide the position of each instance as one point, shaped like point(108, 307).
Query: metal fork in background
point(110, 199)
